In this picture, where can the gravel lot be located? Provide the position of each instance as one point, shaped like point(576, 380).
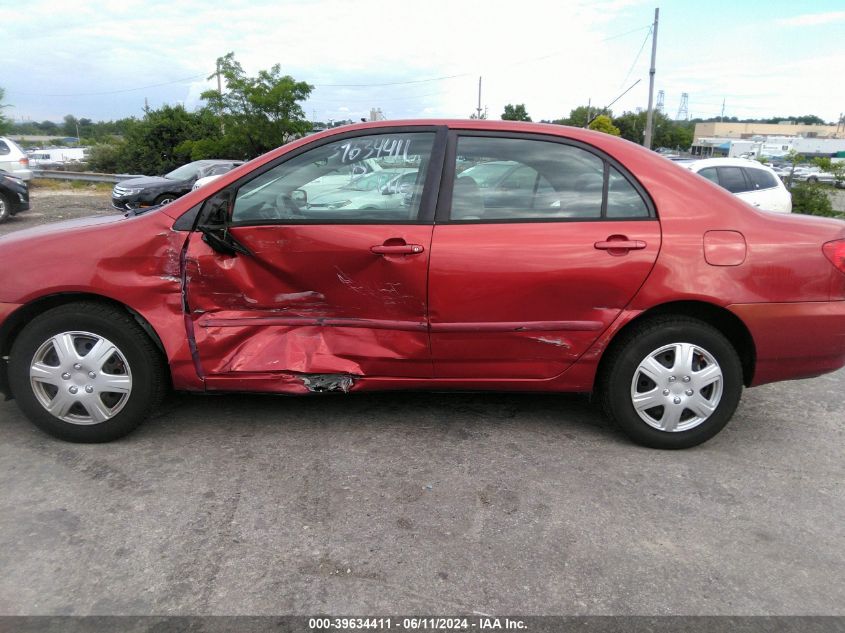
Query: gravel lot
point(52, 205)
point(423, 503)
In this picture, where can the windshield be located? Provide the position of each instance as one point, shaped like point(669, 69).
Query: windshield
point(186, 172)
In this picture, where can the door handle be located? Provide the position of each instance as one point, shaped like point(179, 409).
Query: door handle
point(619, 243)
point(399, 249)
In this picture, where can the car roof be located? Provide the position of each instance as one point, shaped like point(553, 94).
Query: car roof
point(697, 165)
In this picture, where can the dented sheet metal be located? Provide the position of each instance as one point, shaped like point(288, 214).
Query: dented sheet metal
point(310, 300)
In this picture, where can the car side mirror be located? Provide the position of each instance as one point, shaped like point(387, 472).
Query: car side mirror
point(300, 197)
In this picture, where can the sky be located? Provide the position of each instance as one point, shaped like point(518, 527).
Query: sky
point(423, 59)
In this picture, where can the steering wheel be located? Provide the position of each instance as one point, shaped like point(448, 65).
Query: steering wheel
point(285, 207)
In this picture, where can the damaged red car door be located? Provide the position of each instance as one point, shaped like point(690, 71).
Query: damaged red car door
point(314, 271)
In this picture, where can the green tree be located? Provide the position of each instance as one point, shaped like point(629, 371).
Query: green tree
point(666, 132)
point(156, 144)
point(811, 199)
point(5, 123)
point(580, 116)
point(602, 123)
point(258, 113)
point(793, 158)
point(515, 113)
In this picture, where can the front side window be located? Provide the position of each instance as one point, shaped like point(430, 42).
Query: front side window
point(522, 179)
point(371, 179)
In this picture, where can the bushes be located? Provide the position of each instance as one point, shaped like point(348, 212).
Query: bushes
point(811, 199)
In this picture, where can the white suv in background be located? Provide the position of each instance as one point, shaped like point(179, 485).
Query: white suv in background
point(749, 180)
point(13, 160)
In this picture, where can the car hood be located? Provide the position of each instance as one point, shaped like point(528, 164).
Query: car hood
point(145, 182)
point(59, 228)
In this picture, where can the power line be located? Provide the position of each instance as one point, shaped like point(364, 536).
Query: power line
point(108, 92)
point(636, 59)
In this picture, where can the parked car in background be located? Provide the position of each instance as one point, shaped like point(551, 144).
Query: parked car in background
point(748, 180)
point(147, 191)
point(377, 190)
point(14, 196)
point(659, 292)
point(816, 175)
point(13, 160)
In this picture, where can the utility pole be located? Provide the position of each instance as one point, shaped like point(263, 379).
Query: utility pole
point(589, 111)
point(220, 92)
point(478, 109)
point(649, 122)
point(722, 115)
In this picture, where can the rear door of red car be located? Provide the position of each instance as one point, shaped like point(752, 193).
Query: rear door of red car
point(521, 290)
point(333, 285)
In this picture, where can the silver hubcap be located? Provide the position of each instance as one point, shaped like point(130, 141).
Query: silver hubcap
point(81, 378)
point(677, 387)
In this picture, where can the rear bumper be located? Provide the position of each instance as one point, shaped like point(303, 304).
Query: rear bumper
point(795, 340)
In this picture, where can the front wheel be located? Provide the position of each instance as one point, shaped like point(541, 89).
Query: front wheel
point(673, 382)
point(5, 209)
point(86, 372)
point(165, 198)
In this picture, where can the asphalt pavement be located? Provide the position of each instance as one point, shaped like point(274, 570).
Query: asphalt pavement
point(427, 504)
point(423, 503)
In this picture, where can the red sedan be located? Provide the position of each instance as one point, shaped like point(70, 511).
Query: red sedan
point(434, 255)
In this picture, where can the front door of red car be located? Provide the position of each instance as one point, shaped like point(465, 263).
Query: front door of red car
point(521, 289)
point(311, 272)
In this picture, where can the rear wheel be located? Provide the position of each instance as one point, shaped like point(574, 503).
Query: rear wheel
point(86, 372)
point(673, 382)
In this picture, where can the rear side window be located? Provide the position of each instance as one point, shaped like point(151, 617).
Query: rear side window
point(760, 179)
point(508, 179)
point(623, 201)
point(732, 179)
point(4, 149)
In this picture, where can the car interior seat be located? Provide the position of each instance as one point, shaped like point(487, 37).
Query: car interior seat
point(467, 201)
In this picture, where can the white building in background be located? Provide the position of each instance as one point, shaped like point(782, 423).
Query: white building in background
point(376, 115)
point(769, 146)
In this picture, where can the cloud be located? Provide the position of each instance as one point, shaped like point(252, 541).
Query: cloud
point(813, 19)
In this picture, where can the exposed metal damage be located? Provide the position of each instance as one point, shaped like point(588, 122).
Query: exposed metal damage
point(323, 383)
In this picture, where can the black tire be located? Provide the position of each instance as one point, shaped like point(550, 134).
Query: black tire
point(812, 180)
point(5, 208)
point(146, 369)
point(616, 389)
point(165, 198)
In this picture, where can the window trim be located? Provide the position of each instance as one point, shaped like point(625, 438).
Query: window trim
point(447, 181)
point(425, 213)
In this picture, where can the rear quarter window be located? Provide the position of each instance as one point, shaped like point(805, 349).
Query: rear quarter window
point(4, 149)
point(760, 178)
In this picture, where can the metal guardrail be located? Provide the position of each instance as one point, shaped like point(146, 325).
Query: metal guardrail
point(84, 176)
